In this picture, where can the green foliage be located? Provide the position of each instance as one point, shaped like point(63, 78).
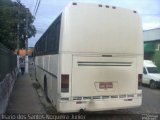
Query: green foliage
point(156, 59)
point(12, 15)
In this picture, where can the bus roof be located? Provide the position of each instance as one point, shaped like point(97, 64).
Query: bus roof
point(101, 29)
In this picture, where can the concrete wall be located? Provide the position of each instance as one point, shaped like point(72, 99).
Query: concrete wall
point(6, 86)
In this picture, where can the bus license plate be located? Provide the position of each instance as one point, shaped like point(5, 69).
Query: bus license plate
point(105, 85)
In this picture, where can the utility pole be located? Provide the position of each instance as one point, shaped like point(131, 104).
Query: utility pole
point(18, 46)
point(26, 43)
point(17, 51)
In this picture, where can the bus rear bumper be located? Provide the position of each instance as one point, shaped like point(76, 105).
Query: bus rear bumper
point(98, 105)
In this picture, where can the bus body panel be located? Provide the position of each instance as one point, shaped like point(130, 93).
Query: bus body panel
point(94, 29)
point(47, 66)
point(101, 52)
point(65, 63)
point(86, 70)
point(88, 73)
point(99, 105)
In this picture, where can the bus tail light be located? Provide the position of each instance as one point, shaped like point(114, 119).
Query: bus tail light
point(139, 79)
point(64, 83)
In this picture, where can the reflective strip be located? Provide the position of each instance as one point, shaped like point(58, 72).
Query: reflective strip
point(87, 98)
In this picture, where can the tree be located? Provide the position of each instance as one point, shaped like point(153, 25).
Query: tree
point(13, 16)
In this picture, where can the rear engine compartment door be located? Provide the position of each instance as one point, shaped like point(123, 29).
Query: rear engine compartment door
point(94, 76)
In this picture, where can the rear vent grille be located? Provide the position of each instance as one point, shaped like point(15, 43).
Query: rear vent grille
point(96, 97)
point(122, 96)
point(65, 99)
point(77, 98)
point(105, 97)
point(104, 63)
point(114, 96)
point(88, 98)
point(106, 55)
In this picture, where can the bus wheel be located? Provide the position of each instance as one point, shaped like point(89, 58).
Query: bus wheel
point(153, 84)
point(46, 89)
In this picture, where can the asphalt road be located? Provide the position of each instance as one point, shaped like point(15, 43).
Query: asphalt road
point(150, 101)
point(150, 109)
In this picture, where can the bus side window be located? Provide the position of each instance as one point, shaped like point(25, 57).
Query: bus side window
point(144, 71)
point(57, 36)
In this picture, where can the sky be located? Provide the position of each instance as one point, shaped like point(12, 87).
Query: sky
point(48, 10)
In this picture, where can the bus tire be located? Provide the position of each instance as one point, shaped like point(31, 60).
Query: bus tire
point(46, 89)
point(153, 84)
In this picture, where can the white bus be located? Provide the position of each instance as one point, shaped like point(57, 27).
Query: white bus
point(91, 58)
